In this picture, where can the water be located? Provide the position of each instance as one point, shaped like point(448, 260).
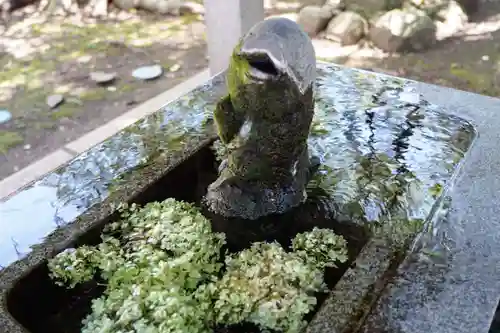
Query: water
point(385, 153)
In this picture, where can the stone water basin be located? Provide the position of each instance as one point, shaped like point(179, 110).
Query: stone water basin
point(388, 158)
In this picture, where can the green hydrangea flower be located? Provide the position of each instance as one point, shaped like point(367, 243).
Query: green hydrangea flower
point(162, 263)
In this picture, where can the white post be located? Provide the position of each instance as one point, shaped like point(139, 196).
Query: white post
point(226, 21)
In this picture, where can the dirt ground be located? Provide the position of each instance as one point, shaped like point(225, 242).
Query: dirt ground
point(468, 61)
point(41, 56)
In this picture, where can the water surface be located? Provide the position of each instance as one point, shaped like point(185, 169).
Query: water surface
point(385, 151)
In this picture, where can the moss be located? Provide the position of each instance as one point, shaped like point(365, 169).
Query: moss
point(317, 129)
point(96, 94)
point(8, 140)
point(64, 111)
point(421, 65)
point(25, 83)
point(176, 27)
point(237, 73)
point(168, 63)
point(91, 34)
point(43, 125)
point(16, 72)
point(251, 163)
point(189, 19)
point(126, 87)
point(437, 190)
point(69, 42)
point(478, 82)
point(325, 59)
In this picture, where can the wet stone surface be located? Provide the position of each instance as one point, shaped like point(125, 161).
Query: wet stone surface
point(388, 159)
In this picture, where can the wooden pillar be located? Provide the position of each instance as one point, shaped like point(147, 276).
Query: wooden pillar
point(226, 21)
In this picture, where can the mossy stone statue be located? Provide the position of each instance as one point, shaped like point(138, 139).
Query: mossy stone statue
point(264, 122)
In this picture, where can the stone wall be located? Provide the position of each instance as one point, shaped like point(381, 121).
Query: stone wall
point(391, 25)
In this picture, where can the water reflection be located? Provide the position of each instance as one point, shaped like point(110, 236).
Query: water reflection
point(386, 154)
point(434, 244)
point(61, 196)
point(19, 223)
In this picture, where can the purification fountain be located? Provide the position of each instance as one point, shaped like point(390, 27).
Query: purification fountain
point(377, 162)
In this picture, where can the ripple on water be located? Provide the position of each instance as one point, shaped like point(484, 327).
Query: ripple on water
point(385, 150)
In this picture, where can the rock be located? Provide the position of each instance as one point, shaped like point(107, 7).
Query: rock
point(306, 3)
point(453, 19)
point(430, 7)
point(313, 19)
point(102, 77)
point(172, 7)
point(74, 100)
point(126, 4)
point(12, 5)
point(148, 72)
point(334, 7)
point(347, 28)
point(95, 8)
point(190, 7)
point(368, 8)
point(374, 18)
point(5, 116)
point(403, 30)
point(54, 101)
point(174, 68)
point(156, 6)
point(470, 6)
point(67, 5)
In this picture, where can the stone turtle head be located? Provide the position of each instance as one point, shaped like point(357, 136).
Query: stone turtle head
point(278, 47)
